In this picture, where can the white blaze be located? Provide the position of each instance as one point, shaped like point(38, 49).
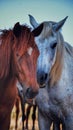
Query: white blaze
point(30, 50)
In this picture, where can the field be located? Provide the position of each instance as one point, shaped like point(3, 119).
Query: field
point(13, 117)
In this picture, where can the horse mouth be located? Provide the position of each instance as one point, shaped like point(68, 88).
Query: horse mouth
point(42, 85)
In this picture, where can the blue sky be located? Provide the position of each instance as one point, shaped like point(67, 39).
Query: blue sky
point(12, 11)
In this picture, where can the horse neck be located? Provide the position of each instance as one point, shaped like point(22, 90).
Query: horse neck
point(67, 70)
point(6, 81)
point(6, 69)
point(68, 58)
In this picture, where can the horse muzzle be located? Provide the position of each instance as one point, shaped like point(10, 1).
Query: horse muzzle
point(30, 94)
point(42, 78)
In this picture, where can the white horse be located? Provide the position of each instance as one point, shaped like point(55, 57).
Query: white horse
point(55, 71)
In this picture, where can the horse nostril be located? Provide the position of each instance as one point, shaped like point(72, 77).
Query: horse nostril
point(46, 76)
point(42, 78)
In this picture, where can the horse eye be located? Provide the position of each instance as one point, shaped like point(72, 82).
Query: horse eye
point(54, 45)
point(17, 54)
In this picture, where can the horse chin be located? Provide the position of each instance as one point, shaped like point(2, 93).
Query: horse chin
point(31, 101)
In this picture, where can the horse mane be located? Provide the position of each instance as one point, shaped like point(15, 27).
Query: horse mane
point(47, 28)
point(56, 70)
point(69, 48)
point(7, 41)
point(5, 52)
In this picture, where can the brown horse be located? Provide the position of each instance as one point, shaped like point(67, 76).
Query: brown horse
point(18, 58)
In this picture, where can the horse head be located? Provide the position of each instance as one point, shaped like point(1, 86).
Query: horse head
point(19, 57)
point(47, 44)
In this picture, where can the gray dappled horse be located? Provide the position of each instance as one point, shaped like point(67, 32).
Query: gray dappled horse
point(55, 70)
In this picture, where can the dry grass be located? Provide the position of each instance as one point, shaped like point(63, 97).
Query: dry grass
point(13, 117)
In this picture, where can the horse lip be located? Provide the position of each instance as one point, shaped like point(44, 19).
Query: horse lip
point(42, 85)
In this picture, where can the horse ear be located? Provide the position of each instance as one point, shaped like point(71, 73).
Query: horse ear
point(36, 32)
point(59, 25)
point(33, 22)
point(17, 29)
